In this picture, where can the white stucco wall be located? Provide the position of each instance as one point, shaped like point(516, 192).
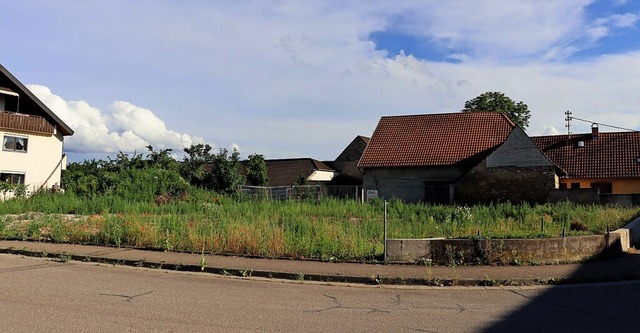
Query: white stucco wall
point(321, 176)
point(41, 159)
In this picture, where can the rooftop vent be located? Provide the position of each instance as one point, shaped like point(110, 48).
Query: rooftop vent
point(594, 131)
point(580, 144)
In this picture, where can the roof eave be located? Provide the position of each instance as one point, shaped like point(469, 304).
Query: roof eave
point(60, 125)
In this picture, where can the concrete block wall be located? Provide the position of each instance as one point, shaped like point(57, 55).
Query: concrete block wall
point(502, 251)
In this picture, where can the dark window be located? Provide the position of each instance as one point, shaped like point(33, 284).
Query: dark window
point(575, 185)
point(14, 143)
point(437, 193)
point(12, 178)
point(604, 187)
point(563, 186)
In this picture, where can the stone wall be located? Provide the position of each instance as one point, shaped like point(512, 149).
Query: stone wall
point(498, 184)
point(501, 251)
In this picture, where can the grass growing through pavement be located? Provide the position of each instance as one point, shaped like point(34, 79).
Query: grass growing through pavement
point(327, 229)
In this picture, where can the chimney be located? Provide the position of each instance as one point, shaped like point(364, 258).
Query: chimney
point(594, 131)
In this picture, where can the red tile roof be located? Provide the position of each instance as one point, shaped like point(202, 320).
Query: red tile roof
point(611, 155)
point(285, 172)
point(460, 138)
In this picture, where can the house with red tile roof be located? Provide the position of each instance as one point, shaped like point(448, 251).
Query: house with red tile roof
point(287, 172)
point(463, 157)
point(609, 161)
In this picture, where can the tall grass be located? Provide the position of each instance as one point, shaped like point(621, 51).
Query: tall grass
point(327, 229)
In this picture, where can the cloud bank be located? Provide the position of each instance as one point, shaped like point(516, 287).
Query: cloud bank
point(302, 79)
point(127, 127)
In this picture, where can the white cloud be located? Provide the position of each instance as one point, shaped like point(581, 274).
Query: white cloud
point(626, 20)
point(495, 29)
point(605, 26)
point(147, 126)
point(235, 146)
point(292, 79)
point(127, 128)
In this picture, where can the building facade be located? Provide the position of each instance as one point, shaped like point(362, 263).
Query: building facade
point(32, 138)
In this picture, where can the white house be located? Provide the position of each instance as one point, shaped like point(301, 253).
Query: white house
point(32, 138)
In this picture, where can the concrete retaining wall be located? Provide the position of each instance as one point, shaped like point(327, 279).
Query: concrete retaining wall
point(629, 235)
point(511, 251)
point(591, 196)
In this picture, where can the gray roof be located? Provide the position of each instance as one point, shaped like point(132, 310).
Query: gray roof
point(517, 150)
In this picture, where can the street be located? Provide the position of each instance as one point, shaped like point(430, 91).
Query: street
point(50, 296)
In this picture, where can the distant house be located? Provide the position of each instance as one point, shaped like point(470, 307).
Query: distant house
point(607, 161)
point(288, 172)
point(456, 157)
point(32, 137)
point(347, 162)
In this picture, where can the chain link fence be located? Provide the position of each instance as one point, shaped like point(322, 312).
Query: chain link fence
point(302, 192)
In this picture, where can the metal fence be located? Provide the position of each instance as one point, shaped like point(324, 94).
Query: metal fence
point(301, 192)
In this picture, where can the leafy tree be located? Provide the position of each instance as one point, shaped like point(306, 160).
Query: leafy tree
point(496, 101)
point(130, 177)
point(225, 173)
point(192, 167)
point(161, 159)
point(123, 162)
point(257, 171)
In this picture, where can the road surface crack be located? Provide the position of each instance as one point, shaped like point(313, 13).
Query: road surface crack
point(128, 298)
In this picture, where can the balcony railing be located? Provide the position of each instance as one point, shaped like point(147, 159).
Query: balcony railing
point(25, 123)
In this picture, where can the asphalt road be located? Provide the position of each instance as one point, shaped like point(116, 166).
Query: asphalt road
point(40, 295)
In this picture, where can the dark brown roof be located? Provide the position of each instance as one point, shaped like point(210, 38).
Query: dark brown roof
point(461, 138)
point(611, 155)
point(285, 172)
point(29, 103)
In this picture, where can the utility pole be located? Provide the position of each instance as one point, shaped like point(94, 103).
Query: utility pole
point(568, 120)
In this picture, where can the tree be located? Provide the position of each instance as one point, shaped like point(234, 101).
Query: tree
point(496, 101)
point(161, 159)
point(257, 171)
point(192, 166)
point(225, 173)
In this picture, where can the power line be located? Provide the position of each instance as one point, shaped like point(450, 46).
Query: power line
point(569, 117)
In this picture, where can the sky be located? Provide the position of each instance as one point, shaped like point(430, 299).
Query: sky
point(290, 79)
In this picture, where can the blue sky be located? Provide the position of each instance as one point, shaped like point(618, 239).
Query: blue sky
point(303, 78)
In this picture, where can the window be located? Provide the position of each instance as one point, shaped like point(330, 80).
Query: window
point(12, 178)
point(14, 143)
point(563, 186)
point(603, 186)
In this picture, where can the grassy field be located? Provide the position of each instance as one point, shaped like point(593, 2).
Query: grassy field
point(327, 229)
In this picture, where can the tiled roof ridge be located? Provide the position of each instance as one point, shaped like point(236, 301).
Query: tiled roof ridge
point(600, 132)
point(609, 155)
point(318, 165)
point(447, 114)
point(435, 138)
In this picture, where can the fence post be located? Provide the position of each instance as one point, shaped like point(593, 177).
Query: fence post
point(385, 231)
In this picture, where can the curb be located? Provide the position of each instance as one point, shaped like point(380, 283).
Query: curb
point(323, 278)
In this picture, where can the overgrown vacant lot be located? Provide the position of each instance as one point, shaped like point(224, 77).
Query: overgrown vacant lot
point(327, 229)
